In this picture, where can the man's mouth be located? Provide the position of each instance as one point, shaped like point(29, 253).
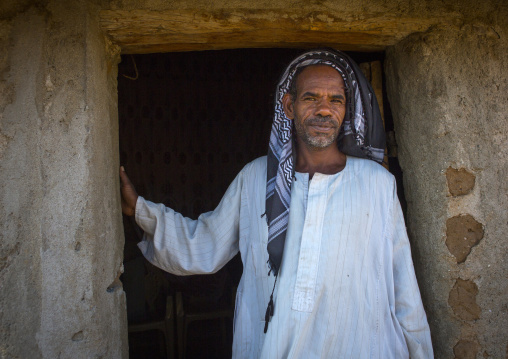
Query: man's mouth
point(323, 126)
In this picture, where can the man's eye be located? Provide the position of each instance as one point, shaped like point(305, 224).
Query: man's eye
point(338, 101)
point(309, 99)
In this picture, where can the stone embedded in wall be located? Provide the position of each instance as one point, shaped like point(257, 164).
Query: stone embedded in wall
point(460, 182)
point(465, 349)
point(462, 299)
point(462, 233)
point(79, 336)
point(117, 283)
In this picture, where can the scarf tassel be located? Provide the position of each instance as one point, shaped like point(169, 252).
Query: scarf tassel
point(270, 308)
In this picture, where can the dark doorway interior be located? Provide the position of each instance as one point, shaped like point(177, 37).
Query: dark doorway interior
point(188, 124)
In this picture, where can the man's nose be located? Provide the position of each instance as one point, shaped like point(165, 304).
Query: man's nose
point(323, 108)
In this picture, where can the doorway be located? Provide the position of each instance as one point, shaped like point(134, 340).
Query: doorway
point(189, 122)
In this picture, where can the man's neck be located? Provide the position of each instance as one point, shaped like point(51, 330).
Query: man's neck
point(326, 161)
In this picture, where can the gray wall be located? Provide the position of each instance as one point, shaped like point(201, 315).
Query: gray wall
point(61, 244)
point(448, 90)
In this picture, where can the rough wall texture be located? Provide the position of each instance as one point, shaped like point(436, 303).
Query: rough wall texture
point(60, 247)
point(448, 91)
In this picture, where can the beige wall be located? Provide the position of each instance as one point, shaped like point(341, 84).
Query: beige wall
point(61, 244)
point(60, 227)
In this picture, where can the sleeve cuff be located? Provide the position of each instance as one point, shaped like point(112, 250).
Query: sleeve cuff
point(139, 202)
point(146, 215)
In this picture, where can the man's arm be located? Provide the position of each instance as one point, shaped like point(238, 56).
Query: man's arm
point(408, 304)
point(181, 245)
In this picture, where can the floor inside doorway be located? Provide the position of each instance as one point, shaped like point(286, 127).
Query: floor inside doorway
point(205, 342)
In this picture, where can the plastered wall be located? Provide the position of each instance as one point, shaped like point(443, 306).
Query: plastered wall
point(448, 91)
point(60, 235)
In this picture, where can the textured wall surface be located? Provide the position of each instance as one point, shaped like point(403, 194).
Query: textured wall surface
point(60, 229)
point(448, 91)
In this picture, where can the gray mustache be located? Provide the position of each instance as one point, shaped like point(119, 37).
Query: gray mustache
point(320, 121)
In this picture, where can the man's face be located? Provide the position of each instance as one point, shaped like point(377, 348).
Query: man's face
point(318, 108)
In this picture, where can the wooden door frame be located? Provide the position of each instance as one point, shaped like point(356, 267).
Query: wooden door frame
point(147, 31)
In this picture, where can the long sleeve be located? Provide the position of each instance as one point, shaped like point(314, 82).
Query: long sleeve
point(184, 246)
point(408, 304)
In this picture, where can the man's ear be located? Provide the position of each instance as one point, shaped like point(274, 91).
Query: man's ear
point(288, 106)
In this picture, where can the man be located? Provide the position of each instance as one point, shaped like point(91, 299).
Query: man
point(325, 224)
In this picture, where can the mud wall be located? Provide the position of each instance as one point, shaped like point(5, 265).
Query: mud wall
point(60, 234)
point(448, 91)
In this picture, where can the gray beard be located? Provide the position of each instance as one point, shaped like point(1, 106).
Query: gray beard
point(315, 142)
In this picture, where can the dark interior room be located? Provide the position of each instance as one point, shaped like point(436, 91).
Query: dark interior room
point(188, 123)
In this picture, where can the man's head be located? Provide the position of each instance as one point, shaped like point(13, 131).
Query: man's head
point(316, 102)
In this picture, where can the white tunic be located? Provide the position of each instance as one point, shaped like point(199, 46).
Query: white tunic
point(346, 288)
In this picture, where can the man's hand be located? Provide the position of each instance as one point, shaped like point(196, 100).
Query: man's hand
point(129, 194)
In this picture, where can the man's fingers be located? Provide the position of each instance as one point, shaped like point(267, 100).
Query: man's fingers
point(129, 194)
point(125, 181)
point(124, 178)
